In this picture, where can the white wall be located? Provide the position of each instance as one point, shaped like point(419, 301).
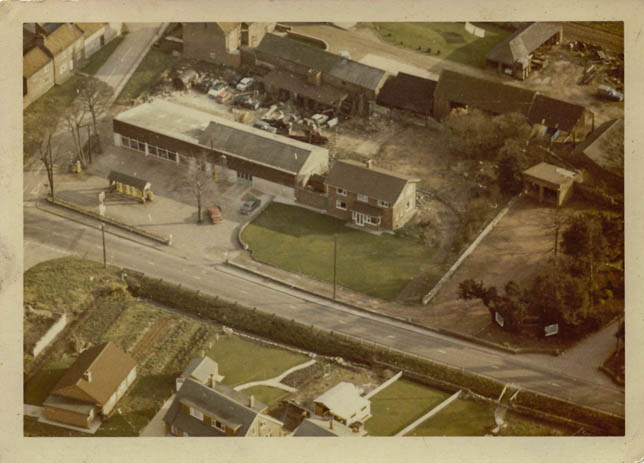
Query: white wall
point(49, 336)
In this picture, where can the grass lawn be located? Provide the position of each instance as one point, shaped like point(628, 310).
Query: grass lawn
point(519, 425)
point(301, 241)
point(146, 75)
point(399, 405)
point(460, 418)
point(453, 41)
point(266, 394)
point(98, 59)
point(242, 361)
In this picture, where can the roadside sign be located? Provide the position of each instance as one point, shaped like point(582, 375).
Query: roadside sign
point(551, 329)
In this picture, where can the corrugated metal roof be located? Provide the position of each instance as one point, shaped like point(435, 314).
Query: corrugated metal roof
point(34, 60)
point(484, 94)
point(373, 182)
point(409, 92)
point(324, 93)
point(555, 113)
point(328, 63)
point(523, 42)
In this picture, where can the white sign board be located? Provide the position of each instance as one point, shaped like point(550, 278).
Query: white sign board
point(499, 318)
point(551, 329)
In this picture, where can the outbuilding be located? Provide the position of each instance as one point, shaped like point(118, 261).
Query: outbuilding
point(548, 183)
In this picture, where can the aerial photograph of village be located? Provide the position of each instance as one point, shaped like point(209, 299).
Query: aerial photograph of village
point(349, 229)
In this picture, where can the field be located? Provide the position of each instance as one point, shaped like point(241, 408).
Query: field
point(301, 241)
point(146, 75)
point(448, 40)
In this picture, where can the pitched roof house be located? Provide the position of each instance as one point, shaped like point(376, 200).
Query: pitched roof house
point(604, 148)
point(370, 197)
point(573, 121)
point(345, 403)
point(94, 383)
point(217, 410)
point(63, 42)
point(514, 54)
point(316, 426)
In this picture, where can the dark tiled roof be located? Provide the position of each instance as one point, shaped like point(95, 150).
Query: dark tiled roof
point(27, 37)
point(49, 28)
point(409, 92)
point(605, 146)
point(373, 182)
point(556, 113)
point(127, 180)
point(108, 366)
point(523, 42)
point(310, 429)
point(487, 95)
point(248, 143)
point(212, 402)
point(321, 60)
point(324, 93)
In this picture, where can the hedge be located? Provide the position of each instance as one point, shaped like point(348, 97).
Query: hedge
point(309, 338)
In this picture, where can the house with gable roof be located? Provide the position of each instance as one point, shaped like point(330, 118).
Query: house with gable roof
point(344, 403)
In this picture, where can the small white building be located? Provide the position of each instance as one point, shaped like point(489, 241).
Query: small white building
point(345, 403)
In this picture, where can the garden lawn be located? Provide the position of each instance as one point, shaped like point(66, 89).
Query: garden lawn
point(242, 361)
point(460, 418)
point(266, 394)
point(98, 59)
point(301, 241)
point(451, 39)
point(399, 405)
point(146, 75)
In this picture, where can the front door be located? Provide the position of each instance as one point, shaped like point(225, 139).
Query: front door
point(358, 218)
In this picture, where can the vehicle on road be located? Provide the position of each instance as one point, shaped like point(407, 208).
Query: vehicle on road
point(263, 125)
point(214, 212)
point(609, 93)
point(249, 206)
point(223, 97)
point(247, 101)
point(245, 84)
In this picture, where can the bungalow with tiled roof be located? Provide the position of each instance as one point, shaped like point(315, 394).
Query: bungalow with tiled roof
point(370, 197)
point(92, 386)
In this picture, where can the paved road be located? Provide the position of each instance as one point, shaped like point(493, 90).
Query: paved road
point(116, 68)
point(50, 235)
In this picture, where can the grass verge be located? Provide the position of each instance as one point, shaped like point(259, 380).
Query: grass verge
point(301, 241)
point(146, 75)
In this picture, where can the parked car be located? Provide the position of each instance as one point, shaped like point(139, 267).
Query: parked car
point(263, 125)
point(218, 87)
point(214, 212)
point(245, 84)
point(247, 101)
point(609, 93)
point(234, 80)
point(224, 97)
point(319, 119)
point(249, 206)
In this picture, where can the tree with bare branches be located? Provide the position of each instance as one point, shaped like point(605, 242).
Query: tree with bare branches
point(198, 179)
point(75, 119)
point(47, 155)
point(94, 95)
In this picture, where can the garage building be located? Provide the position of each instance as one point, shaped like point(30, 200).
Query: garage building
point(172, 132)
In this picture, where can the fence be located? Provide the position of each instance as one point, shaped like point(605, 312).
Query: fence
point(472, 29)
point(49, 336)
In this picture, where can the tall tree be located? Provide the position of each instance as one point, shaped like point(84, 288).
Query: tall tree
point(198, 179)
point(94, 94)
point(48, 155)
point(75, 118)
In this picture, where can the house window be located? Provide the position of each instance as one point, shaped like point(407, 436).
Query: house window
point(363, 198)
point(153, 150)
point(217, 424)
point(125, 141)
point(374, 220)
point(341, 205)
point(172, 156)
point(382, 203)
point(196, 413)
point(341, 191)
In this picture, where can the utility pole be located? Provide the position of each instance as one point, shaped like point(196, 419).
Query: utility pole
point(104, 252)
point(335, 260)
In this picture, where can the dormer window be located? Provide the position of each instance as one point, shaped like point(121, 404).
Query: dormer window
point(382, 203)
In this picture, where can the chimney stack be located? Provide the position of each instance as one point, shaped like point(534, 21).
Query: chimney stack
point(87, 376)
point(211, 381)
point(368, 163)
point(251, 401)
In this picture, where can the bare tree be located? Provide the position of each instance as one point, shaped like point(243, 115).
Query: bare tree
point(75, 119)
point(48, 157)
point(198, 179)
point(94, 95)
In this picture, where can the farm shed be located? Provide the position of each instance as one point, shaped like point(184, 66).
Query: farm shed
point(409, 93)
point(548, 183)
point(572, 121)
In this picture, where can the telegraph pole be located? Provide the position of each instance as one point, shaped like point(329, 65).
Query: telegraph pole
point(104, 252)
point(335, 260)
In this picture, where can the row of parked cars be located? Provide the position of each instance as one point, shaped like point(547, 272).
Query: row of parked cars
point(222, 91)
point(247, 207)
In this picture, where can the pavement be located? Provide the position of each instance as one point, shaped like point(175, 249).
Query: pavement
point(276, 381)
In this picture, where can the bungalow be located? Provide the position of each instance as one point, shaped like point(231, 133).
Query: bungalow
point(37, 75)
point(370, 197)
point(92, 386)
point(514, 55)
point(456, 90)
point(563, 121)
point(271, 163)
point(319, 68)
point(216, 410)
point(220, 42)
point(603, 152)
point(344, 403)
point(548, 183)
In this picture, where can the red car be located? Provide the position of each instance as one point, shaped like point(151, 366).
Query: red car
point(215, 214)
point(223, 97)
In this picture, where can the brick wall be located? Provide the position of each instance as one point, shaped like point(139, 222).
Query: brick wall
point(66, 416)
point(311, 198)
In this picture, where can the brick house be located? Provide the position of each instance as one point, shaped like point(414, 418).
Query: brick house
point(212, 409)
point(220, 42)
point(92, 386)
point(37, 74)
point(64, 44)
point(370, 197)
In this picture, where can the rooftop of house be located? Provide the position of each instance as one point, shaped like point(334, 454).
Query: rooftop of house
point(62, 38)
point(550, 173)
point(328, 63)
point(34, 60)
point(343, 400)
point(90, 28)
point(228, 27)
point(323, 93)
point(495, 97)
point(406, 91)
point(320, 427)
point(555, 113)
point(95, 375)
point(372, 181)
point(605, 146)
point(524, 41)
point(221, 403)
point(230, 137)
point(200, 369)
